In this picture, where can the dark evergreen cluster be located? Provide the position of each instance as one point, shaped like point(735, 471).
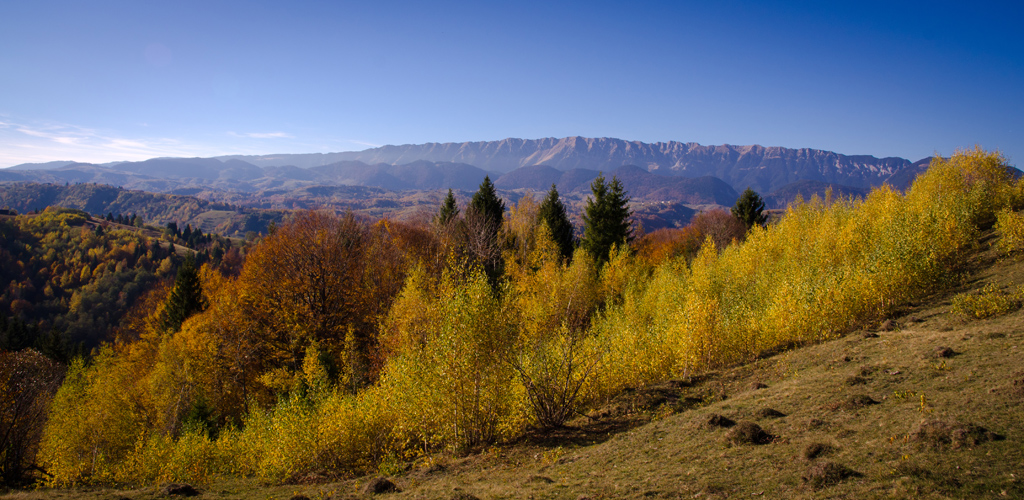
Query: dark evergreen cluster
point(192, 238)
point(749, 209)
point(606, 218)
point(133, 220)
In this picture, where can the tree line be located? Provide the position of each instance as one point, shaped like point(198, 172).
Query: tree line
point(333, 311)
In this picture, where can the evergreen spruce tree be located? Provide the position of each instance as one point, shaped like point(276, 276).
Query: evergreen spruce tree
point(449, 210)
point(485, 202)
point(606, 218)
point(483, 223)
point(186, 298)
point(552, 214)
point(749, 209)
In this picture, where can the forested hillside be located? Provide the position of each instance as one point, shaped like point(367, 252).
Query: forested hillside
point(345, 346)
point(69, 279)
point(153, 209)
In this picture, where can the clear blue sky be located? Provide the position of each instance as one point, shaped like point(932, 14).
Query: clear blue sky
point(126, 80)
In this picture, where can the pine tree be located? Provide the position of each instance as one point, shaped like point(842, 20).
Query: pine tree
point(449, 210)
point(483, 223)
point(749, 209)
point(186, 298)
point(606, 219)
point(485, 202)
point(552, 214)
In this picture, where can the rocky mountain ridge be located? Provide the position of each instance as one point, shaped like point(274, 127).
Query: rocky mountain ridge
point(665, 171)
point(762, 168)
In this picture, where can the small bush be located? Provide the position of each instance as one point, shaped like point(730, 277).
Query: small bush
point(1010, 225)
point(990, 301)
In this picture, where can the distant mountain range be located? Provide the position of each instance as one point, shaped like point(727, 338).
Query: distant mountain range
point(666, 171)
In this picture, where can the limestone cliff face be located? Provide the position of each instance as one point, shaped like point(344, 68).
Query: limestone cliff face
point(763, 169)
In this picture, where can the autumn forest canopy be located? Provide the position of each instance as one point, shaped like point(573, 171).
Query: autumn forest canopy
point(343, 344)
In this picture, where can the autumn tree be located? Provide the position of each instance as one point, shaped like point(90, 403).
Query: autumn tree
point(720, 226)
point(28, 381)
point(553, 215)
point(315, 279)
point(606, 218)
point(749, 209)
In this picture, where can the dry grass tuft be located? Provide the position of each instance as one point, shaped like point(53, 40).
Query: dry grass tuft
point(380, 485)
point(855, 402)
point(815, 450)
point(748, 433)
point(953, 433)
point(769, 413)
point(856, 380)
point(716, 420)
point(824, 474)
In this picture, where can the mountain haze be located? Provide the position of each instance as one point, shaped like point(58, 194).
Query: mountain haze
point(677, 172)
point(762, 168)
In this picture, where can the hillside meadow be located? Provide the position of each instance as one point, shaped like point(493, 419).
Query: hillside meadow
point(344, 348)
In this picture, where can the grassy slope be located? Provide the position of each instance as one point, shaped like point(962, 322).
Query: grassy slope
point(655, 442)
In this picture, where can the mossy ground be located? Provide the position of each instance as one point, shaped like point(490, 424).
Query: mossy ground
point(655, 442)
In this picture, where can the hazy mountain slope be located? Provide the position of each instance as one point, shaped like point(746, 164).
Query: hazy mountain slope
point(535, 177)
point(512, 163)
point(761, 168)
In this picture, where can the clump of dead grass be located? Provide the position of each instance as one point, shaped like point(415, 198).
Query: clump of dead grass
point(769, 413)
point(715, 420)
point(824, 474)
point(854, 402)
point(815, 450)
point(747, 432)
point(951, 432)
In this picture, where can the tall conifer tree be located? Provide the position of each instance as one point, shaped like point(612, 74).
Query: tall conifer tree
point(552, 214)
point(449, 210)
point(186, 298)
point(485, 202)
point(606, 218)
point(749, 209)
point(483, 220)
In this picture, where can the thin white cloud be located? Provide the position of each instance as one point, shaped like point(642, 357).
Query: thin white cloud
point(38, 143)
point(262, 135)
